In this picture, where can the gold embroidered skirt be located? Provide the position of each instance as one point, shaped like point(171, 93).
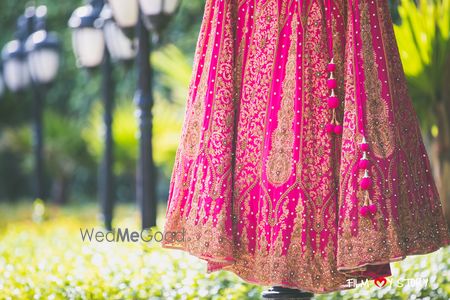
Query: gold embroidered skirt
point(301, 162)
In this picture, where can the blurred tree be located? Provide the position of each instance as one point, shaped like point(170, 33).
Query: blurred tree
point(424, 41)
point(71, 97)
point(65, 154)
point(174, 72)
point(63, 97)
point(184, 28)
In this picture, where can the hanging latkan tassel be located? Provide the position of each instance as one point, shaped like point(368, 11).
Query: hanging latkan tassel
point(365, 184)
point(334, 126)
point(333, 101)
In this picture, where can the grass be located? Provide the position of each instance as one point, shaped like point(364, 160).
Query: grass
point(42, 256)
point(49, 260)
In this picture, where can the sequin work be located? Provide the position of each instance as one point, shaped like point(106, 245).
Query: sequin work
point(286, 177)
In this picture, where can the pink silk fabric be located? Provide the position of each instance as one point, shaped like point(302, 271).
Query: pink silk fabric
point(260, 188)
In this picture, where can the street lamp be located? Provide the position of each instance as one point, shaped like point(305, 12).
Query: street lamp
point(87, 37)
point(96, 41)
point(43, 56)
point(32, 59)
point(126, 13)
point(15, 69)
point(121, 47)
point(2, 84)
point(157, 14)
point(149, 16)
point(93, 29)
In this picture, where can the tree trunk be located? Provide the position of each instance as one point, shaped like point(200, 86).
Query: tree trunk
point(442, 143)
point(444, 189)
point(441, 170)
point(60, 190)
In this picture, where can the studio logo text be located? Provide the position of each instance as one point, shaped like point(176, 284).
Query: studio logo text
point(383, 282)
point(117, 235)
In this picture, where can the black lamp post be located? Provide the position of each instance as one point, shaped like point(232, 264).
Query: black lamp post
point(32, 59)
point(97, 41)
point(2, 83)
point(148, 16)
point(279, 292)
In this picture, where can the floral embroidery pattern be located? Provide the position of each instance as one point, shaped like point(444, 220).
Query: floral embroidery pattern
point(377, 110)
point(279, 163)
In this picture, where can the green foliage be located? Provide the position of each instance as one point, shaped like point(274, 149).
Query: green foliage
point(65, 105)
point(76, 92)
point(38, 214)
point(429, 277)
point(174, 74)
point(48, 260)
point(65, 151)
point(125, 129)
point(183, 29)
point(64, 95)
point(393, 6)
point(423, 38)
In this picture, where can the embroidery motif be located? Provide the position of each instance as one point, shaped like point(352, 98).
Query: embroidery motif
point(376, 110)
point(194, 120)
point(279, 163)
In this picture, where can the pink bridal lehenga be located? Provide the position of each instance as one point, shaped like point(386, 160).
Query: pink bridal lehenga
point(301, 161)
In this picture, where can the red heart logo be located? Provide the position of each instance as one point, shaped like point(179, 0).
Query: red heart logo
point(380, 282)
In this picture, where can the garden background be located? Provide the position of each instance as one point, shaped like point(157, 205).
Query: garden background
point(41, 252)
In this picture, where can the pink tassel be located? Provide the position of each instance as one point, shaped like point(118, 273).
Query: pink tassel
point(372, 208)
point(364, 146)
point(364, 162)
point(333, 102)
point(338, 129)
point(331, 67)
point(364, 211)
point(331, 83)
point(366, 182)
point(329, 128)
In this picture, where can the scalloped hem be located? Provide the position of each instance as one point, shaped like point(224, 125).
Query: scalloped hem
point(363, 266)
point(216, 263)
point(228, 263)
